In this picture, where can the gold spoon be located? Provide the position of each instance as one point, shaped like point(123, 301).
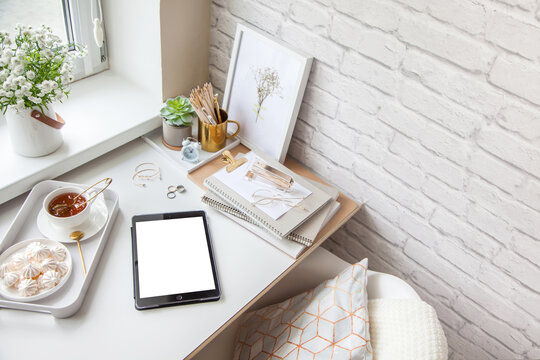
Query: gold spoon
point(78, 235)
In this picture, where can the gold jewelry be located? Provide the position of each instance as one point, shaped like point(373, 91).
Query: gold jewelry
point(145, 171)
point(149, 166)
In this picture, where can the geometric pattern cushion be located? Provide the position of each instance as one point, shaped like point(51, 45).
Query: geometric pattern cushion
point(328, 322)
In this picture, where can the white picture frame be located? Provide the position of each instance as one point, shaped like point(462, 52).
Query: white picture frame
point(256, 61)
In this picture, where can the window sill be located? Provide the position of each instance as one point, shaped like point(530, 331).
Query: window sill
point(102, 113)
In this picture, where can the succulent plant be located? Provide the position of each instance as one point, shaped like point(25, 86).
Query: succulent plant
point(178, 111)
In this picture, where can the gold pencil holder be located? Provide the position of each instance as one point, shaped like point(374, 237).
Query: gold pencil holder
point(214, 137)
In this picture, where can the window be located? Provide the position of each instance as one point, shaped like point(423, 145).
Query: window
point(74, 21)
point(86, 18)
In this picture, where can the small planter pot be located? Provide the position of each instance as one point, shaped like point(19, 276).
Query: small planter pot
point(174, 134)
point(32, 133)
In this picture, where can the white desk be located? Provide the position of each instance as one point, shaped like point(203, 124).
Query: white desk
point(107, 325)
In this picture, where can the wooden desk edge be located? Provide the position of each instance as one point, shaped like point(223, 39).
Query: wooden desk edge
point(346, 211)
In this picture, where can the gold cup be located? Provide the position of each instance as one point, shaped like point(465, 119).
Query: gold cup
point(213, 137)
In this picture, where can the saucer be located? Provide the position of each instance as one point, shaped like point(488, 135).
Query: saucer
point(95, 222)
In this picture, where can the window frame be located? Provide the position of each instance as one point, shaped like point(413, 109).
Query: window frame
point(79, 15)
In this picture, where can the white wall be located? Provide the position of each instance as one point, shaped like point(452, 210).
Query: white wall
point(159, 45)
point(134, 44)
point(429, 111)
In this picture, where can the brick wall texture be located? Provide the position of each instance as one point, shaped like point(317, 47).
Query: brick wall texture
point(429, 112)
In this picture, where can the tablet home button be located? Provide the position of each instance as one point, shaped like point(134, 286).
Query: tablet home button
point(179, 297)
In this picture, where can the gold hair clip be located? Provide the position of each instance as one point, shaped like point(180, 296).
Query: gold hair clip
point(233, 163)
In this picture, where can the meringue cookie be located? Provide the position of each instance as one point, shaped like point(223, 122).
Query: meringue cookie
point(10, 279)
point(29, 250)
point(48, 264)
point(30, 271)
point(49, 279)
point(28, 287)
point(19, 260)
point(40, 252)
point(4, 268)
point(58, 253)
point(62, 268)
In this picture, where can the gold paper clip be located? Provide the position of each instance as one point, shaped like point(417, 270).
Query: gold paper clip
point(227, 158)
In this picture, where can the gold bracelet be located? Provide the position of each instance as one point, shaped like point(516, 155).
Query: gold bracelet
point(154, 172)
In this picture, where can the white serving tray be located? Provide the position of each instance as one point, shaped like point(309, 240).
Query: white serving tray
point(66, 301)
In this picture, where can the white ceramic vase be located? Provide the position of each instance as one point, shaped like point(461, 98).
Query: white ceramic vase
point(30, 137)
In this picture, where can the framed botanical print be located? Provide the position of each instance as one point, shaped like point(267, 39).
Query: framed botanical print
point(264, 91)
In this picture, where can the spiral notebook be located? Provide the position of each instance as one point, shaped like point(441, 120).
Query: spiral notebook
point(291, 248)
point(305, 234)
point(227, 186)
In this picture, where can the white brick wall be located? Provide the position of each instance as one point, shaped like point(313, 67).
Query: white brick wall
point(429, 111)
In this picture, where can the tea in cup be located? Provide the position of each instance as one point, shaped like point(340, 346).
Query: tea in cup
point(66, 208)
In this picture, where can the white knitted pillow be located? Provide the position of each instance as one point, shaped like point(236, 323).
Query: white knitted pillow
point(406, 329)
point(328, 322)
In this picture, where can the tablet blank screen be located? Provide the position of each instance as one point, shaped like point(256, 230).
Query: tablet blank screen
point(173, 257)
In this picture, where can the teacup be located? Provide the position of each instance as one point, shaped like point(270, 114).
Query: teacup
point(70, 221)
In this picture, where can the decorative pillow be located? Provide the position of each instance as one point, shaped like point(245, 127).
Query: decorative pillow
point(328, 322)
point(406, 329)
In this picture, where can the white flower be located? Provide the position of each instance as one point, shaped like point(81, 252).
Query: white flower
point(20, 105)
point(34, 99)
point(47, 53)
point(7, 55)
point(60, 96)
point(16, 61)
point(7, 84)
point(19, 80)
point(19, 72)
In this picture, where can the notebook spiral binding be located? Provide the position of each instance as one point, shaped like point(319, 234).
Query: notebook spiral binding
point(235, 212)
point(259, 221)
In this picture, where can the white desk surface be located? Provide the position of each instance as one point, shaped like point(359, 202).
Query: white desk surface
point(107, 325)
